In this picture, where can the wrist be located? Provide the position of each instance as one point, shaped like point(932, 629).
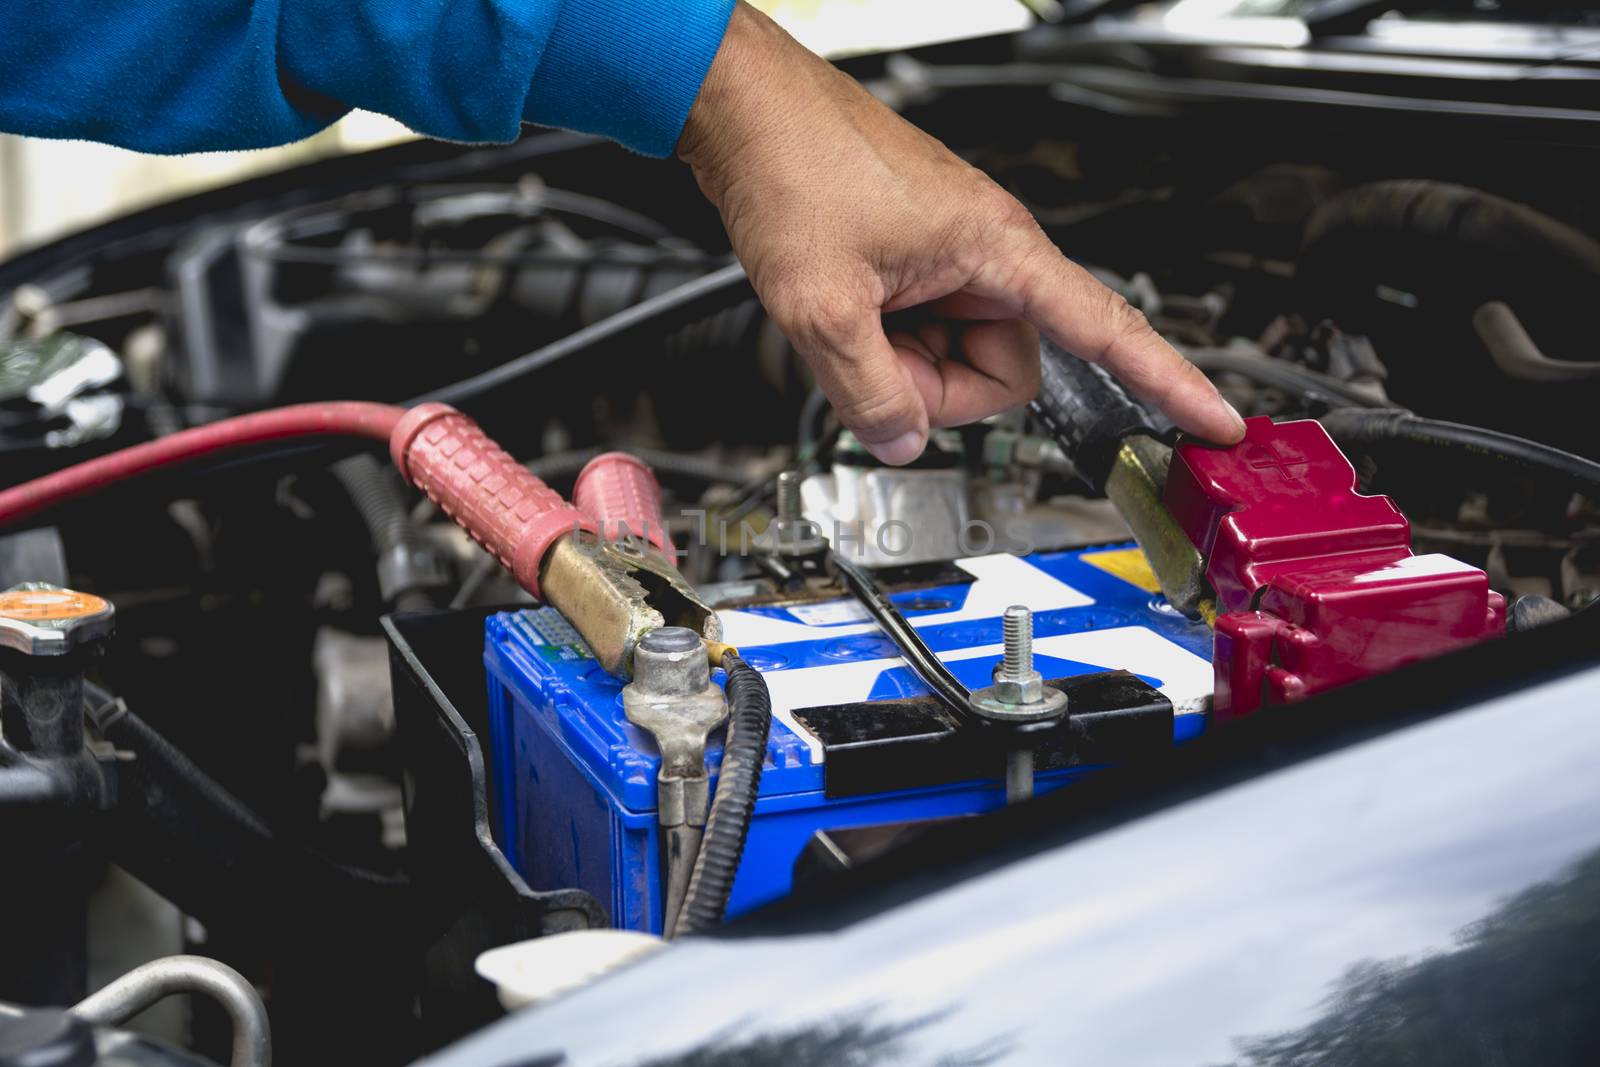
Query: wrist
point(756, 57)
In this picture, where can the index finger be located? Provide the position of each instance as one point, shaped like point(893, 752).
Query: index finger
point(1096, 324)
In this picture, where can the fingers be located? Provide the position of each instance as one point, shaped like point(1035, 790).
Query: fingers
point(1098, 325)
point(969, 371)
point(874, 388)
point(889, 389)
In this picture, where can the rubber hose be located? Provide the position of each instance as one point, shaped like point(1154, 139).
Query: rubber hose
point(738, 781)
point(1454, 248)
point(1516, 354)
point(378, 498)
point(1357, 430)
point(1456, 215)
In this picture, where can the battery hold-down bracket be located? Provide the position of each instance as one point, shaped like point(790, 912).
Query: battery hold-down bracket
point(1316, 583)
point(911, 742)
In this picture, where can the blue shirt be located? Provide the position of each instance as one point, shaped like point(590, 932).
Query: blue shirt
point(198, 75)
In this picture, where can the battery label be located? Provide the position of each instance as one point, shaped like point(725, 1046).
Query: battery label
point(548, 630)
point(829, 613)
point(1129, 564)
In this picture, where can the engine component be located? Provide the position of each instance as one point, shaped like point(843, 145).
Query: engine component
point(84, 781)
point(144, 986)
point(531, 972)
point(1316, 584)
point(856, 739)
point(272, 307)
point(891, 516)
point(355, 731)
point(48, 636)
point(54, 385)
point(1412, 262)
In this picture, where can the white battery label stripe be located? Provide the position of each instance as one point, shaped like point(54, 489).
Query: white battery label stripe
point(1001, 580)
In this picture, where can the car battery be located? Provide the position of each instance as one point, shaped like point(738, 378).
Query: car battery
point(856, 741)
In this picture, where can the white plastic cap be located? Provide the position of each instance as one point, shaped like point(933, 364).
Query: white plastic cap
point(529, 972)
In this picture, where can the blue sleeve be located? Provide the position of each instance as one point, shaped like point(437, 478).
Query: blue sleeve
point(200, 75)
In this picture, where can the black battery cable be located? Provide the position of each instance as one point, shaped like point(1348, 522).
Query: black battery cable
point(928, 667)
point(733, 805)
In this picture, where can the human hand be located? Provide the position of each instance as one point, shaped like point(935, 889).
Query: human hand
point(909, 281)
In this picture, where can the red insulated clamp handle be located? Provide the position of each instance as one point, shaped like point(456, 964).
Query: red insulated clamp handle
point(494, 498)
point(620, 493)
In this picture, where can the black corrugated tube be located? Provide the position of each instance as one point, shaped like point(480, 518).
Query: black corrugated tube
point(738, 781)
point(378, 497)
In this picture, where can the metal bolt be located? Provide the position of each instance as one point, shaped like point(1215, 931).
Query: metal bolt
point(792, 534)
point(1017, 628)
point(789, 495)
point(1018, 697)
point(1015, 680)
point(1016, 670)
point(1019, 775)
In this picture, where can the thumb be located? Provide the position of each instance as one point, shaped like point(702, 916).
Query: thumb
point(873, 392)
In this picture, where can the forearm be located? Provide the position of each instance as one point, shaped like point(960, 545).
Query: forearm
point(176, 76)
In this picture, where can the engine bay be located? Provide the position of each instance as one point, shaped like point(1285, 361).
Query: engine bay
point(377, 702)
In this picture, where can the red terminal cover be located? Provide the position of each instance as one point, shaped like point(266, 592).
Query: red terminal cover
point(505, 508)
point(620, 493)
point(1316, 584)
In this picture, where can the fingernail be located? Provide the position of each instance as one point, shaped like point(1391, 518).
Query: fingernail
point(1238, 419)
point(903, 449)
